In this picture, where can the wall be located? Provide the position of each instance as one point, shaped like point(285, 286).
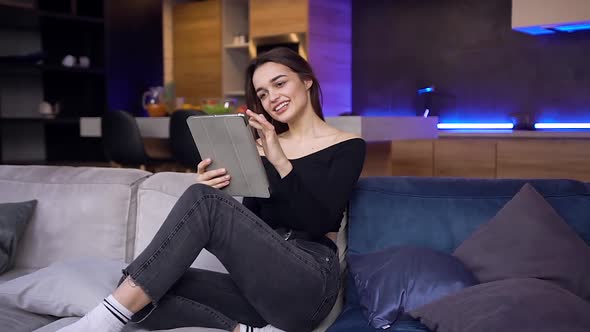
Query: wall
point(466, 48)
point(329, 52)
point(134, 51)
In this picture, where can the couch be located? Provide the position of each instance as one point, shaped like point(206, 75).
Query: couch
point(100, 213)
point(104, 216)
point(440, 213)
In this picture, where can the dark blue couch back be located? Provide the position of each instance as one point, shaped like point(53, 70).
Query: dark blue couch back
point(442, 212)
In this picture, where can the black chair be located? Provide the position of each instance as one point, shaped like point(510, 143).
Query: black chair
point(121, 140)
point(182, 144)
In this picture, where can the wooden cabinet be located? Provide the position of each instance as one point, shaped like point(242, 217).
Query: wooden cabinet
point(412, 157)
point(197, 50)
point(208, 59)
point(493, 158)
point(276, 17)
point(472, 158)
point(559, 158)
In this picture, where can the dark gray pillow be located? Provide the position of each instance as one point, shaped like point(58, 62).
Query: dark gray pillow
point(13, 221)
point(528, 239)
point(395, 280)
point(523, 305)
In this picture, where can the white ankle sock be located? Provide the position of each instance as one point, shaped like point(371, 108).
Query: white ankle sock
point(108, 316)
point(267, 328)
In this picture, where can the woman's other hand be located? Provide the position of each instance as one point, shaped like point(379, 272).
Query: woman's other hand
point(217, 178)
point(270, 143)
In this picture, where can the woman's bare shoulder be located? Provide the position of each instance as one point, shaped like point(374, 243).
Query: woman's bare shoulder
point(345, 136)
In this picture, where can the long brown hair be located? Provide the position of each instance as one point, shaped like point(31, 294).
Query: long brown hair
point(296, 63)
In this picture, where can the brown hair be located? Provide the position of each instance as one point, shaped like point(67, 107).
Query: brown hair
point(296, 63)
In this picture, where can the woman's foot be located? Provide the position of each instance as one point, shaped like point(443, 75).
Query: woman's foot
point(108, 316)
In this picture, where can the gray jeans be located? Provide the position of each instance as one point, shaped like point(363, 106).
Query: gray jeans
point(290, 284)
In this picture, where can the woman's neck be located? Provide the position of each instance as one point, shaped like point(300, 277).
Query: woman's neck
point(307, 126)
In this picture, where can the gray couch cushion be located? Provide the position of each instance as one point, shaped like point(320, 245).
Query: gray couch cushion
point(81, 212)
point(14, 218)
point(155, 198)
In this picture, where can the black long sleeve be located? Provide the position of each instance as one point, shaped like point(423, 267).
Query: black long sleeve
point(314, 195)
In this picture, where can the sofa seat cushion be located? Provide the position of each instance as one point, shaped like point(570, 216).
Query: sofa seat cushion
point(81, 211)
point(14, 319)
point(53, 327)
point(352, 320)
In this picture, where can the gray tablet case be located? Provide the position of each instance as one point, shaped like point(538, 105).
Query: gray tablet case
point(229, 142)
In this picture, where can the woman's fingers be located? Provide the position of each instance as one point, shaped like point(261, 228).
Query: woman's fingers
point(221, 185)
point(259, 119)
point(217, 178)
point(213, 174)
point(202, 166)
point(218, 182)
point(251, 113)
point(265, 123)
point(255, 124)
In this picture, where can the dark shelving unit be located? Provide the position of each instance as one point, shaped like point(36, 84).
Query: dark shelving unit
point(63, 27)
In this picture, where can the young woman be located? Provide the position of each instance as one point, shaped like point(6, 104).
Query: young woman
point(280, 252)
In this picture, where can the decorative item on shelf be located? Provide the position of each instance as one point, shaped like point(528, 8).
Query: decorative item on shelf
point(49, 111)
point(84, 62)
point(218, 106)
point(240, 38)
point(69, 61)
point(153, 102)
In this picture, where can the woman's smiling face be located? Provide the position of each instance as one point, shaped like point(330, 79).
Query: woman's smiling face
point(280, 90)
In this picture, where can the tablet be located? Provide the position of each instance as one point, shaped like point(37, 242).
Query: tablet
point(230, 144)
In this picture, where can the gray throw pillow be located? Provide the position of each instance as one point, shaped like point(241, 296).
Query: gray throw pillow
point(393, 281)
point(523, 305)
point(528, 239)
point(13, 221)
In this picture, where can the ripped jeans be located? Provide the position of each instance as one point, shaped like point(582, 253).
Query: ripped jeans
point(290, 284)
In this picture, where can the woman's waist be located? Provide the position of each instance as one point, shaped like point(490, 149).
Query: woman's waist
point(291, 234)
